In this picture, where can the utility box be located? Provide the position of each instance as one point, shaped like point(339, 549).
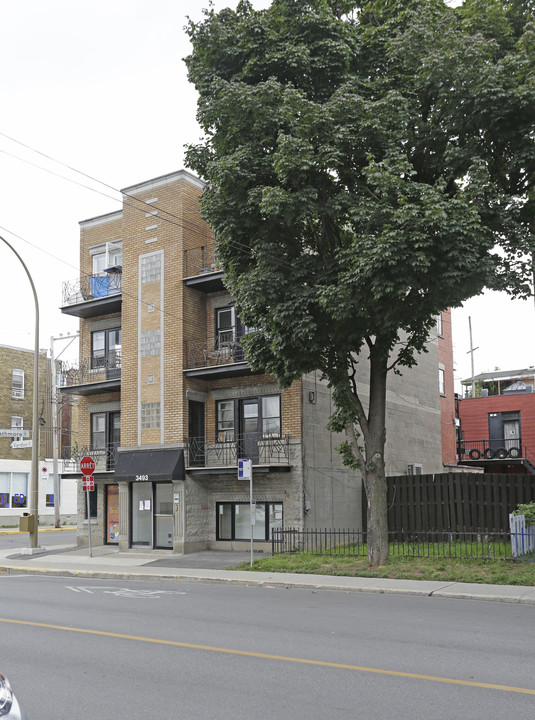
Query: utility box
point(27, 523)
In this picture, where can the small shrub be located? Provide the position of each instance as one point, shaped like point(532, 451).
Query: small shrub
point(528, 510)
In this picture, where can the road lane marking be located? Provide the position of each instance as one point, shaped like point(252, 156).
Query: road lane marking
point(284, 658)
point(123, 592)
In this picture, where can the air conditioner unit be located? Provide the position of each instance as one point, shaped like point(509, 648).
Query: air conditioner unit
point(415, 469)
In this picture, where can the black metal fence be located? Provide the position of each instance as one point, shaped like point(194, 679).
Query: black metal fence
point(479, 544)
point(261, 449)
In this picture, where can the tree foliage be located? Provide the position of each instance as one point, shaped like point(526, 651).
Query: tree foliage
point(363, 175)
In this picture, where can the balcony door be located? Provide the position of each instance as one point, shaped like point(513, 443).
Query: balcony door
point(249, 429)
point(106, 352)
point(105, 439)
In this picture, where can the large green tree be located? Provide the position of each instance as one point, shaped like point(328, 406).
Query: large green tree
point(350, 199)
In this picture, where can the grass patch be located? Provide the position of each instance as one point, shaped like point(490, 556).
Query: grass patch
point(499, 572)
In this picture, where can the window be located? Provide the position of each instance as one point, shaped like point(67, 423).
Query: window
point(225, 326)
point(150, 415)
point(50, 490)
point(234, 521)
point(13, 490)
point(18, 423)
point(17, 384)
point(441, 381)
point(258, 416)
point(108, 256)
point(225, 420)
point(106, 349)
point(439, 324)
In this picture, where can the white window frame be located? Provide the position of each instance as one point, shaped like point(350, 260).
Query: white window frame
point(110, 252)
point(16, 391)
point(17, 425)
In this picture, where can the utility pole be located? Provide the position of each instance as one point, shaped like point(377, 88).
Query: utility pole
point(471, 351)
point(33, 520)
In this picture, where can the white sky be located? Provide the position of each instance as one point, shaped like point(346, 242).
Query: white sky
point(101, 86)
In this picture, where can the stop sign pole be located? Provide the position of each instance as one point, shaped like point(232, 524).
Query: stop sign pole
point(87, 466)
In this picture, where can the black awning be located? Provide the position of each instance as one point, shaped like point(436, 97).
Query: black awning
point(150, 465)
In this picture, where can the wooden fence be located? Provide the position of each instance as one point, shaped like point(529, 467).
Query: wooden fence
point(454, 501)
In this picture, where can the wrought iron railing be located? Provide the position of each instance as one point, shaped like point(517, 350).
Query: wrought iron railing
point(261, 449)
point(200, 260)
point(220, 350)
point(499, 449)
point(475, 544)
point(105, 457)
point(95, 369)
point(91, 287)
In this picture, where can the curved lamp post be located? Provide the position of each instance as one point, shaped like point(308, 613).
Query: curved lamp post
point(34, 485)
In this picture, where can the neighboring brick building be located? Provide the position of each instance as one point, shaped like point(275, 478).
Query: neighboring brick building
point(16, 406)
point(498, 425)
point(168, 402)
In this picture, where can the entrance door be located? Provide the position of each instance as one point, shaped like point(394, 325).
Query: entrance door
point(249, 429)
point(163, 515)
point(142, 514)
point(196, 432)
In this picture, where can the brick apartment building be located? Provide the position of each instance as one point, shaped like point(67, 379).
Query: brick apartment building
point(16, 406)
point(168, 402)
point(448, 413)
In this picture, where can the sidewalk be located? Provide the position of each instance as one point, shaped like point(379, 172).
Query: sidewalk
point(210, 566)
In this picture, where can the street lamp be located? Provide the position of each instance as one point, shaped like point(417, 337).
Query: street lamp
point(34, 485)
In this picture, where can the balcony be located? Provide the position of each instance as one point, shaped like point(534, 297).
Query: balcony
point(93, 375)
point(209, 457)
point(105, 457)
point(201, 269)
point(215, 357)
point(501, 451)
point(93, 295)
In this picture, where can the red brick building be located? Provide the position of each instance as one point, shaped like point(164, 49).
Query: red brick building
point(497, 427)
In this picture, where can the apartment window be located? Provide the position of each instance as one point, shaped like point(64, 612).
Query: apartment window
point(225, 326)
point(17, 383)
point(13, 490)
point(150, 342)
point(106, 349)
point(151, 268)
point(150, 416)
point(260, 417)
point(108, 256)
point(439, 324)
point(17, 423)
point(225, 420)
point(234, 520)
point(441, 381)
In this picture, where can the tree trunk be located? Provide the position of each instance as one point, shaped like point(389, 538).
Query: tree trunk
point(375, 486)
point(374, 470)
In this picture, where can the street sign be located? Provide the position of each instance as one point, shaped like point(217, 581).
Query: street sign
point(88, 483)
point(14, 432)
point(43, 470)
point(21, 444)
point(245, 469)
point(87, 465)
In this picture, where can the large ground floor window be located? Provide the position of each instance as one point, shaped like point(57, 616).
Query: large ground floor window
point(234, 520)
point(13, 490)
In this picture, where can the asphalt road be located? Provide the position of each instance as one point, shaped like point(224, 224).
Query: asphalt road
point(46, 539)
point(99, 649)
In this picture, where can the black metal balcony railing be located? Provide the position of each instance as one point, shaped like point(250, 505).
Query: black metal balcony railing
point(91, 287)
point(200, 260)
point(214, 351)
point(95, 369)
point(105, 457)
point(500, 449)
point(261, 449)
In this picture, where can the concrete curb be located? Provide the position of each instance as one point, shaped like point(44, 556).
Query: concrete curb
point(416, 588)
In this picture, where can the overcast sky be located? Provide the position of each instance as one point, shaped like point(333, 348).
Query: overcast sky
point(101, 87)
